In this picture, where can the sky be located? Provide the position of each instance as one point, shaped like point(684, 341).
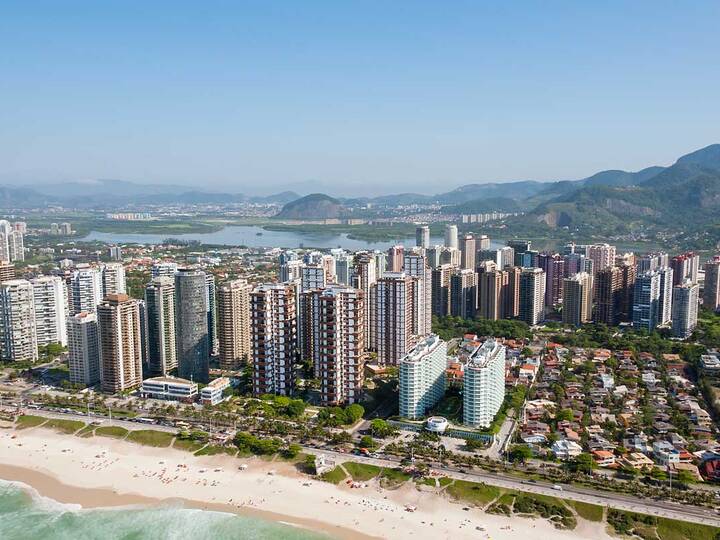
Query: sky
point(352, 98)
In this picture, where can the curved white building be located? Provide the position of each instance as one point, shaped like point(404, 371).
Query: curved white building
point(422, 377)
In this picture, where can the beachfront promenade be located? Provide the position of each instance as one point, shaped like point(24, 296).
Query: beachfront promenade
point(570, 492)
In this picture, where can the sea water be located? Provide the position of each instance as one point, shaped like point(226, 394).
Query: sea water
point(25, 515)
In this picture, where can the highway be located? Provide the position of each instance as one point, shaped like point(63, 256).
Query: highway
point(574, 493)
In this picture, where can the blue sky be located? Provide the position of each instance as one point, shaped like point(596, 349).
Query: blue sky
point(352, 97)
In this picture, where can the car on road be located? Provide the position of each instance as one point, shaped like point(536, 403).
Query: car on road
point(557, 487)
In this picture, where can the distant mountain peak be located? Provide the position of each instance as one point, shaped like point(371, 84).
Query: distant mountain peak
point(708, 157)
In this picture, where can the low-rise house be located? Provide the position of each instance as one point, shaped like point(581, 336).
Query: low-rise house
point(637, 461)
point(603, 458)
point(564, 449)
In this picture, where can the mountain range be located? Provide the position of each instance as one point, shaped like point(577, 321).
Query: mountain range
point(686, 193)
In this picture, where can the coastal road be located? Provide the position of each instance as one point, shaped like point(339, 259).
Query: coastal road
point(574, 493)
point(620, 501)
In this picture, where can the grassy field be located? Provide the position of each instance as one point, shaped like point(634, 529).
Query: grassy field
point(65, 426)
point(28, 421)
point(670, 529)
point(473, 492)
point(188, 445)
point(111, 431)
point(360, 471)
point(335, 476)
point(150, 437)
point(591, 512)
point(393, 478)
point(214, 450)
point(87, 431)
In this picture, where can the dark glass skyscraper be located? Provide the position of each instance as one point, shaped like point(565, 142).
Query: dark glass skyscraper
point(191, 323)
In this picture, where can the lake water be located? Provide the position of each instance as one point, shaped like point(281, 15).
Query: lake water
point(235, 235)
point(25, 515)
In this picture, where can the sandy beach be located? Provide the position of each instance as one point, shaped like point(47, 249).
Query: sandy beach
point(103, 472)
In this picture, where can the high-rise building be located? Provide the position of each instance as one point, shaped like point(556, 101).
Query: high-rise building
point(86, 290)
point(161, 356)
point(234, 323)
point(115, 253)
point(7, 271)
point(164, 269)
point(463, 294)
point(364, 277)
point(554, 267)
point(20, 226)
point(336, 341)
point(211, 303)
point(482, 241)
point(273, 326)
point(484, 384)
point(532, 295)
point(666, 285)
point(113, 279)
point(84, 349)
point(18, 339)
point(451, 236)
point(441, 290)
point(120, 340)
point(451, 256)
point(490, 296)
point(601, 255)
point(628, 272)
point(520, 247)
point(395, 258)
point(608, 291)
point(291, 270)
point(711, 289)
point(192, 344)
point(646, 300)
point(50, 297)
point(467, 249)
point(685, 266)
point(422, 236)
point(16, 246)
point(328, 263)
point(65, 229)
point(344, 269)
point(511, 293)
point(416, 266)
point(392, 316)
point(577, 299)
point(422, 377)
point(313, 277)
point(685, 308)
point(652, 261)
point(433, 254)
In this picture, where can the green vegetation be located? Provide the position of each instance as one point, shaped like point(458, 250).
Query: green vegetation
point(590, 512)
point(671, 529)
point(361, 472)
point(28, 421)
point(475, 493)
point(87, 431)
point(151, 437)
point(334, 476)
point(337, 416)
point(111, 431)
point(254, 445)
point(546, 507)
point(65, 426)
point(393, 478)
point(454, 327)
point(380, 428)
point(189, 445)
point(215, 449)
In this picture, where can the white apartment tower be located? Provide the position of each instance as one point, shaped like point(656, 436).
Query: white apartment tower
point(685, 308)
point(532, 295)
point(86, 290)
point(18, 339)
point(113, 279)
point(484, 384)
point(50, 297)
point(84, 349)
point(577, 299)
point(422, 377)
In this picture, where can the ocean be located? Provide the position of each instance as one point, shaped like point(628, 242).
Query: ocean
point(26, 515)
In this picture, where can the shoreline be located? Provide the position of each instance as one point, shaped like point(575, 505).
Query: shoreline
point(101, 472)
point(47, 485)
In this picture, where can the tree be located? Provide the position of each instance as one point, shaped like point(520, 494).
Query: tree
point(292, 451)
point(366, 441)
point(354, 412)
point(520, 453)
point(564, 415)
point(583, 463)
point(380, 428)
point(295, 408)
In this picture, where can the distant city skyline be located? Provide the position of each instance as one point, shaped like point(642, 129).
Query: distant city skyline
point(352, 99)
